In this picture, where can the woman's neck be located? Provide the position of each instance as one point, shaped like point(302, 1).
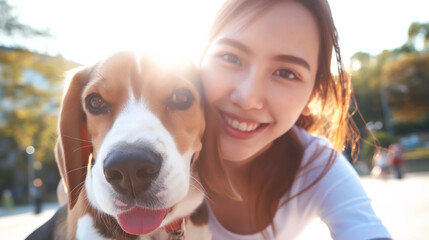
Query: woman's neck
point(238, 171)
point(242, 166)
point(235, 215)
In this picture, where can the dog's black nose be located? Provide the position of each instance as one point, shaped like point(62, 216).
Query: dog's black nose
point(132, 170)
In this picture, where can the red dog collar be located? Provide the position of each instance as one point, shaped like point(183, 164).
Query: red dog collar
point(177, 228)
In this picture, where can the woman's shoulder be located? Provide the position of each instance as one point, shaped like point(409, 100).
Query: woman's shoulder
point(315, 148)
point(318, 153)
point(323, 171)
point(309, 140)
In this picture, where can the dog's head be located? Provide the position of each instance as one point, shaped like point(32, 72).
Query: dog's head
point(128, 131)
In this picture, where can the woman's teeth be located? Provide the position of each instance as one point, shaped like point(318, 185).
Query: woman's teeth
point(242, 126)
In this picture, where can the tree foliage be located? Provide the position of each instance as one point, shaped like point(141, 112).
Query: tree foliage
point(418, 32)
point(367, 81)
point(27, 88)
point(10, 25)
point(30, 89)
point(400, 77)
point(407, 81)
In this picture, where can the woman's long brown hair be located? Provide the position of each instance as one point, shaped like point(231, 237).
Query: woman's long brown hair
point(272, 174)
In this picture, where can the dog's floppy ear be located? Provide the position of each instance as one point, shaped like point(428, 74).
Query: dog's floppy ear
point(73, 147)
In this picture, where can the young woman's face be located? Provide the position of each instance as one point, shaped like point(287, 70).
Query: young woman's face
point(258, 76)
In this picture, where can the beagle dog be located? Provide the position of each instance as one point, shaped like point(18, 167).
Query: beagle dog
point(129, 131)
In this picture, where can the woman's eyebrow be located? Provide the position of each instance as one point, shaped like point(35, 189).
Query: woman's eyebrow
point(234, 43)
point(282, 57)
point(292, 59)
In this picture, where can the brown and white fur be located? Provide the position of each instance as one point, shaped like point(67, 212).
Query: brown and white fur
point(129, 131)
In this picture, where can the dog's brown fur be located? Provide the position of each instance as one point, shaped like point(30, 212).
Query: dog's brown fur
point(80, 137)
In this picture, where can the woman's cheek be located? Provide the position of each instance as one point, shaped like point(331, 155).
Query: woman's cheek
point(213, 83)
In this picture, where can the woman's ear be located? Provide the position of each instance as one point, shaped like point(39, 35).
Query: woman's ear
point(306, 111)
point(311, 102)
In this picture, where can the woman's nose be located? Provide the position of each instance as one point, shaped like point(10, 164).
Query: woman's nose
point(249, 92)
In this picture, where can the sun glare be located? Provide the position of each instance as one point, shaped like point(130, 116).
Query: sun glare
point(87, 31)
point(170, 30)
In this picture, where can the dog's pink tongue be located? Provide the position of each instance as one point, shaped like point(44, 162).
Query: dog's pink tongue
point(139, 221)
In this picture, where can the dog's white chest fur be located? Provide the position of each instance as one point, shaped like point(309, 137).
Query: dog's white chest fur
point(85, 229)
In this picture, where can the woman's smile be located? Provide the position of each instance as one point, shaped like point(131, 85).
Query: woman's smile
point(240, 125)
point(240, 128)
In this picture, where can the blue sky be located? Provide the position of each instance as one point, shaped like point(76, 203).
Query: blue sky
point(86, 31)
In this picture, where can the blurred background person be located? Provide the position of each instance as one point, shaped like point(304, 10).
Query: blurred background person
point(37, 195)
point(380, 166)
point(395, 160)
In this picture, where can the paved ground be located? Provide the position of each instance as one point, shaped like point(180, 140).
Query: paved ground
point(20, 222)
point(403, 205)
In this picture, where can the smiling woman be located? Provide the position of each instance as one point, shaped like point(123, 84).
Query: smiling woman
point(269, 163)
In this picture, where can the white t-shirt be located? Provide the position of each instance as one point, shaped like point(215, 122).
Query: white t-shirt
point(338, 199)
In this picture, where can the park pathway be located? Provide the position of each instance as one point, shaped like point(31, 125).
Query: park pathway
point(403, 206)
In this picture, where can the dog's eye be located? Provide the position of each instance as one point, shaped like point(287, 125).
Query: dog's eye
point(180, 99)
point(96, 104)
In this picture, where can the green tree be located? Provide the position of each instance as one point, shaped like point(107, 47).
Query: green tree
point(30, 90)
point(367, 81)
point(418, 34)
point(407, 83)
point(399, 77)
point(10, 26)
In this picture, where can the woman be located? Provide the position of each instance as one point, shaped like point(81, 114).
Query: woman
point(277, 121)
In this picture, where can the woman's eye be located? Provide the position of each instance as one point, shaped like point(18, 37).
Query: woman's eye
point(286, 74)
point(231, 58)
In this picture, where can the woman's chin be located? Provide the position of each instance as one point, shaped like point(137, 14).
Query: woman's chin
point(235, 156)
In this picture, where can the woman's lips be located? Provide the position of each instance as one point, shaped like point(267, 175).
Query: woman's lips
point(240, 129)
point(240, 125)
